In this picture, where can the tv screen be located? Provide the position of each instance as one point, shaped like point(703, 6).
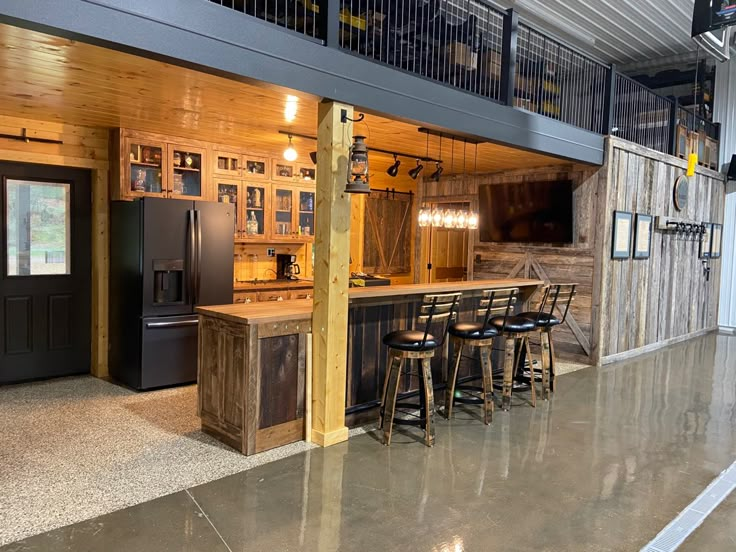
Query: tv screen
point(709, 15)
point(526, 212)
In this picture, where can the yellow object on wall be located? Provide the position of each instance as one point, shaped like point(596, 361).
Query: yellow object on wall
point(692, 162)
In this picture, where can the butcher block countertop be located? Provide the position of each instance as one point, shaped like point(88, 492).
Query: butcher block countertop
point(301, 309)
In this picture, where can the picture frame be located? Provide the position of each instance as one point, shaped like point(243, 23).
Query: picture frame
point(307, 173)
point(255, 167)
point(716, 236)
point(622, 229)
point(643, 236)
point(706, 241)
point(283, 171)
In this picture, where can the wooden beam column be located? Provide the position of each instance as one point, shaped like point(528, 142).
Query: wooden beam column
point(331, 275)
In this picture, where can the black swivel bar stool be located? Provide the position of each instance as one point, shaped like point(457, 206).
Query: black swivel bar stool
point(478, 334)
point(420, 345)
point(556, 297)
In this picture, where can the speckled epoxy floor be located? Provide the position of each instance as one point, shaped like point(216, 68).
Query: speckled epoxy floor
point(75, 448)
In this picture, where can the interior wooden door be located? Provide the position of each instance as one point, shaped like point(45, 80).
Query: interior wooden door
point(449, 255)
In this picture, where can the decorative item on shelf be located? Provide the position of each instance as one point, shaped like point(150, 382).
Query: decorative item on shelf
point(177, 159)
point(189, 161)
point(621, 243)
point(642, 236)
point(147, 155)
point(680, 192)
point(140, 181)
point(256, 167)
point(251, 225)
point(283, 171)
point(307, 173)
point(357, 181)
point(178, 187)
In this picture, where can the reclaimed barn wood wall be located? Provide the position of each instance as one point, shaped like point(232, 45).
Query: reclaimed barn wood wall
point(570, 263)
point(643, 304)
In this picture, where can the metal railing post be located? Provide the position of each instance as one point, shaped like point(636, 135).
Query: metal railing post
point(508, 56)
point(329, 20)
point(672, 143)
point(609, 101)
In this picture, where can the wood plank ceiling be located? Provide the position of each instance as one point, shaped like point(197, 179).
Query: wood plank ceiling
point(49, 78)
point(624, 31)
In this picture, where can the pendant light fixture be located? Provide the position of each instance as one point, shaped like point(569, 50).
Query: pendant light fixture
point(393, 170)
point(290, 153)
point(358, 175)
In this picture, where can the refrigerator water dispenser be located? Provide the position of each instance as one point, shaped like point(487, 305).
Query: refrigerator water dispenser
point(168, 281)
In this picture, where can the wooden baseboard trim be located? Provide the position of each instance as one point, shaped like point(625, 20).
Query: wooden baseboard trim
point(726, 330)
point(329, 439)
point(627, 355)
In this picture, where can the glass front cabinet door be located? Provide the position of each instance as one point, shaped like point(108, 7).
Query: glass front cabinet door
point(230, 191)
point(144, 174)
point(255, 223)
point(185, 175)
point(306, 214)
point(282, 208)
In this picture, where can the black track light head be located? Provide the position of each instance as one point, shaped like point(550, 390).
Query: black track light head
point(414, 173)
point(435, 176)
point(393, 170)
point(313, 157)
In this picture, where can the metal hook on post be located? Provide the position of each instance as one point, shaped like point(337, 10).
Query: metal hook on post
point(344, 117)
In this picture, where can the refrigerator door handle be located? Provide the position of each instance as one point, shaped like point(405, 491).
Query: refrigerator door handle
point(198, 275)
point(191, 254)
point(172, 324)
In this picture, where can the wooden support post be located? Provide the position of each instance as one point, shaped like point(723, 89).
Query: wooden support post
point(100, 271)
point(331, 274)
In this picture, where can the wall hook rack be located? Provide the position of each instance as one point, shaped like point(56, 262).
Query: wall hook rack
point(344, 117)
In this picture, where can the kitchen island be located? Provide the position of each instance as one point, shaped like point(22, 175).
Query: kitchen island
point(253, 358)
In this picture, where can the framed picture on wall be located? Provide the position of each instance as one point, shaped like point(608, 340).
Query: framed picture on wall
point(715, 241)
point(622, 223)
point(705, 241)
point(642, 236)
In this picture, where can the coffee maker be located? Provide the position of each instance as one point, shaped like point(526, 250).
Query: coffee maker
point(286, 267)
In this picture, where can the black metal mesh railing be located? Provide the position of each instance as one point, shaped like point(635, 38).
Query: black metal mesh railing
point(641, 115)
point(695, 123)
point(301, 16)
point(456, 42)
point(556, 81)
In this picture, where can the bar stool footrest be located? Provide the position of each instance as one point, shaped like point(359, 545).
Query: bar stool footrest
point(467, 398)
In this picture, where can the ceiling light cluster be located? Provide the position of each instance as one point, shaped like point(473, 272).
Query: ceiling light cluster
point(460, 219)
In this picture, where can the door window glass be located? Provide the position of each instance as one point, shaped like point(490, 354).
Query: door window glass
point(37, 218)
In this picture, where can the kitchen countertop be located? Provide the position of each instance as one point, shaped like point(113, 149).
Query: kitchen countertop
point(265, 285)
point(301, 309)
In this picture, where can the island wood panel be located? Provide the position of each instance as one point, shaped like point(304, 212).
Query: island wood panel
point(83, 147)
point(251, 381)
point(647, 302)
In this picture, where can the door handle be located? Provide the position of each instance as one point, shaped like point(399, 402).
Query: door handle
point(192, 256)
point(198, 276)
point(172, 324)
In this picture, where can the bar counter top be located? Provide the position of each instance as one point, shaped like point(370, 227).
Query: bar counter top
point(301, 309)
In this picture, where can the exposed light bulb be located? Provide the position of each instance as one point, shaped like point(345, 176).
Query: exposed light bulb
point(437, 216)
point(425, 217)
point(462, 219)
point(448, 220)
point(290, 153)
point(473, 221)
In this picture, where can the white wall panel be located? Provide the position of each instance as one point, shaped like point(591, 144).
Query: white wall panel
point(725, 113)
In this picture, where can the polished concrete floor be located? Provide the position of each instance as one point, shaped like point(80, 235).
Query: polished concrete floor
point(604, 466)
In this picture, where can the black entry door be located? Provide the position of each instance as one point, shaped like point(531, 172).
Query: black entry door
point(46, 272)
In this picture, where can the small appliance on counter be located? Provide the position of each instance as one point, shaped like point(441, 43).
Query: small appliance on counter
point(360, 279)
point(166, 258)
point(286, 267)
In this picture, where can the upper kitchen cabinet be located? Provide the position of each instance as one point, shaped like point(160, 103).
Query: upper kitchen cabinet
point(227, 164)
point(155, 165)
point(186, 172)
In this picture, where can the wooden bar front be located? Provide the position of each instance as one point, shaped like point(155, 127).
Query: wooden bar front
point(252, 359)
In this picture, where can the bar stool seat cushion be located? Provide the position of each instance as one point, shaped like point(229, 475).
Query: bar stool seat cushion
point(410, 340)
point(472, 330)
point(515, 324)
point(545, 319)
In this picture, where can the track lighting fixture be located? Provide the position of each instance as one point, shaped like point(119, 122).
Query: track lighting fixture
point(435, 176)
point(313, 157)
point(414, 173)
point(393, 170)
point(290, 153)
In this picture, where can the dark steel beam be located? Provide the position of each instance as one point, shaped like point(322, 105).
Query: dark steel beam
point(210, 38)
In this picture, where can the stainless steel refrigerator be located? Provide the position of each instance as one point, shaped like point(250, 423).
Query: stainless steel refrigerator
point(167, 256)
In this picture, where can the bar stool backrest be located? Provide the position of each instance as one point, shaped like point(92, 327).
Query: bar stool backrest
point(497, 302)
point(436, 307)
point(557, 297)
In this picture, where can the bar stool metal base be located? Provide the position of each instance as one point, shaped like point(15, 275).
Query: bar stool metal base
point(486, 391)
point(509, 366)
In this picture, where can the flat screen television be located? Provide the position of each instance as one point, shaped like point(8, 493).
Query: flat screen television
point(709, 15)
point(526, 212)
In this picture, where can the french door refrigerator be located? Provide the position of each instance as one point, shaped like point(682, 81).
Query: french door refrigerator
point(167, 256)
